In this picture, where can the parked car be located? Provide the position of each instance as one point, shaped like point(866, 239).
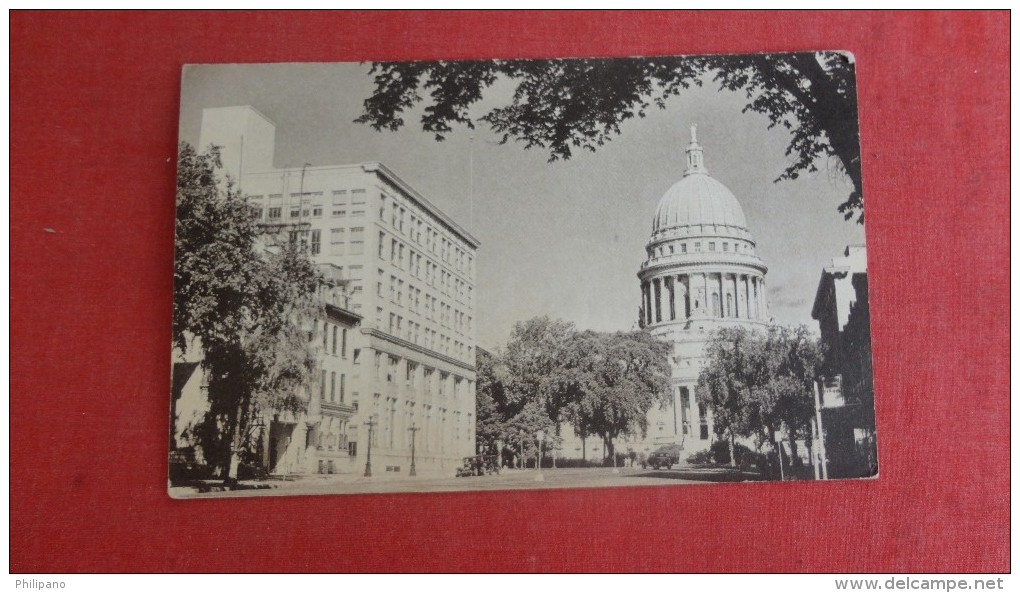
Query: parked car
point(665, 456)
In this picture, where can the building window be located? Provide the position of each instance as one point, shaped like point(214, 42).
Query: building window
point(336, 241)
point(295, 212)
point(325, 334)
point(725, 246)
point(335, 332)
point(339, 213)
point(711, 245)
point(703, 420)
point(316, 241)
point(343, 385)
point(382, 245)
point(275, 213)
point(332, 386)
point(683, 248)
point(391, 374)
point(317, 211)
point(357, 240)
point(322, 387)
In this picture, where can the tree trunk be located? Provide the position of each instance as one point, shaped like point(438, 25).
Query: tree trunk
point(235, 448)
point(584, 449)
point(795, 460)
point(733, 456)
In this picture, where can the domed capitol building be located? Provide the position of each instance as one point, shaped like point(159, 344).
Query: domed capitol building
point(702, 272)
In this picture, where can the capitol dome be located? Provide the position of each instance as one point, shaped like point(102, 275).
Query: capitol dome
point(698, 199)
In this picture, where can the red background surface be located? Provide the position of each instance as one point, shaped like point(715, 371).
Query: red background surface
point(94, 105)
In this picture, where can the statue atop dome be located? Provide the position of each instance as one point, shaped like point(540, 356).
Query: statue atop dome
point(695, 155)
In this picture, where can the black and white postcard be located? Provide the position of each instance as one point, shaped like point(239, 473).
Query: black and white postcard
point(503, 274)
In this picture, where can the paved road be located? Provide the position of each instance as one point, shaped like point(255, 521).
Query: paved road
point(508, 480)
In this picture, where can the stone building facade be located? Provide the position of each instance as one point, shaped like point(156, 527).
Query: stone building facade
point(847, 396)
point(410, 270)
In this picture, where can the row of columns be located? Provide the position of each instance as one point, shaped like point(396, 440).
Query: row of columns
point(710, 294)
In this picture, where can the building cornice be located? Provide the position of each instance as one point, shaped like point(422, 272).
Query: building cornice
point(389, 176)
point(371, 331)
point(349, 317)
point(692, 263)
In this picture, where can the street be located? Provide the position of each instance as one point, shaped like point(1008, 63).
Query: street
point(509, 479)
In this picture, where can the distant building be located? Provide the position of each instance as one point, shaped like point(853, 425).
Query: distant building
point(847, 396)
point(702, 273)
point(410, 270)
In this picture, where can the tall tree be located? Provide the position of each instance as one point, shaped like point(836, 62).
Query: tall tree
point(533, 363)
point(758, 383)
point(490, 401)
point(245, 305)
point(564, 104)
point(615, 379)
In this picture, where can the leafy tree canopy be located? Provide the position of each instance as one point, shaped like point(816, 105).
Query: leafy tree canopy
point(758, 382)
point(549, 374)
point(561, 105)
point(615, 380)
point(246, 305)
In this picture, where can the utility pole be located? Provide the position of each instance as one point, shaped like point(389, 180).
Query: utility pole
point(821, 434)
point(414, 429)
point(368, 458)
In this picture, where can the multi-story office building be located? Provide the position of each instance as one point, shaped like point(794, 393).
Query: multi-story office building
point(410, 270)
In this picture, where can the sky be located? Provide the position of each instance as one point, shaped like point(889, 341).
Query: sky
point(566, 238)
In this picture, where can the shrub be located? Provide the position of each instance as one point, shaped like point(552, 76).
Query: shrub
point(700, 458)
point(721, 453)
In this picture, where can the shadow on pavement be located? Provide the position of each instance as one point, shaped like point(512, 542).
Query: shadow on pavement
point(702, 474)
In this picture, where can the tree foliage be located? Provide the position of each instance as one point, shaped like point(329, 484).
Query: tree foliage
point(246, 306)
point(549, 375)
point(561, 105)
point(759, 382)
point(615, 379)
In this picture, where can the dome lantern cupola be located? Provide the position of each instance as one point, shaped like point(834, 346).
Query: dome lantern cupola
point(695, 155)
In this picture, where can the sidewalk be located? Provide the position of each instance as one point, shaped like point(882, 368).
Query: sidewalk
point(295, 481)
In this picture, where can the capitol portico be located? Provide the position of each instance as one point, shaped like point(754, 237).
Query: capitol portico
point(702, 272)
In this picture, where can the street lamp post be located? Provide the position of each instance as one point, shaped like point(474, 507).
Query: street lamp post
point(414, 429)
point(540, 435)
point(368, 457)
